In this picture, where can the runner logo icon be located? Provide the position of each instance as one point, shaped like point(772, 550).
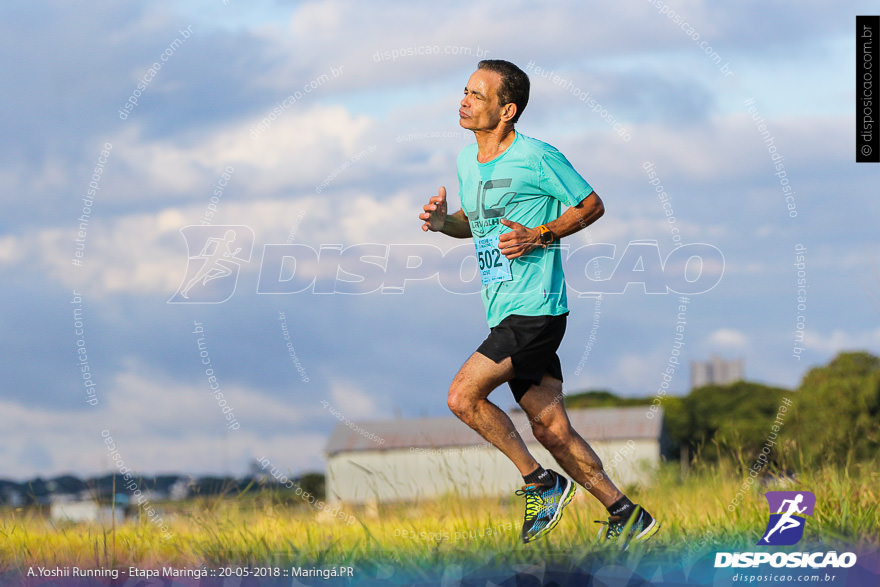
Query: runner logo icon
point(787, 521)
point(212, 274)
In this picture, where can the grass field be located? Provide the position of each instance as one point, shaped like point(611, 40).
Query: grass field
point(258, 529)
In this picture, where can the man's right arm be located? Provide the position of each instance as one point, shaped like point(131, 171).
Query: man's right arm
point(437, 220)
point(457, 225)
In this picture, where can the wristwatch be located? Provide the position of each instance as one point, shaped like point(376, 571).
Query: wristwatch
point(546, 235)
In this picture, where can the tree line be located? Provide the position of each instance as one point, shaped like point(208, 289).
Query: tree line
point(832, 416)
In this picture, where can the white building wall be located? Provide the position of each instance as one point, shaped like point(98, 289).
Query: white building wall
point(84, 511)
point(417, 474)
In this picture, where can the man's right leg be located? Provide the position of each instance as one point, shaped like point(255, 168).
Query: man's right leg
point(468, 395)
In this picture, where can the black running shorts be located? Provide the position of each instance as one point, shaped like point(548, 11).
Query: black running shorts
point(531, 343)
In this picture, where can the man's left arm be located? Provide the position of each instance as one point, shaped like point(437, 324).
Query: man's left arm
point(521, 240)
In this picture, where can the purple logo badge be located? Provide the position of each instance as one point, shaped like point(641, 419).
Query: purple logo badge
point(787, 511)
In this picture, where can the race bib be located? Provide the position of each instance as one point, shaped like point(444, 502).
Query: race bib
point(494, 267)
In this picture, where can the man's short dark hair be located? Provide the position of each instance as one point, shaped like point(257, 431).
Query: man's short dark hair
point(514, 83)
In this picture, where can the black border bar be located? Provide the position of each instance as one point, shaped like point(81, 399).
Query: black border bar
point(867, 89)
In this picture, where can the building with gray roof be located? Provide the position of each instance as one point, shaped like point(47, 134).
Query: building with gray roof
point(419, 459)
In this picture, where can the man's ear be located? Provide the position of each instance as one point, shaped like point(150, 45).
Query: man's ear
point(508, 111)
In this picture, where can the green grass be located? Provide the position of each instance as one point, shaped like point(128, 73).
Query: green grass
point(259, 529)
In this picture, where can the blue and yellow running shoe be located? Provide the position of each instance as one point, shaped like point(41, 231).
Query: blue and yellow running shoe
point(638, 527)
point(544, 505)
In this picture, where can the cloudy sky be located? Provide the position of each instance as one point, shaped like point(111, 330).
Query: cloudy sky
point(316, 130)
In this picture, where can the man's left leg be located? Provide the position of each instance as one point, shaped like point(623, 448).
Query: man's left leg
point(544, 405)
point(545, 493)
point(550, 424)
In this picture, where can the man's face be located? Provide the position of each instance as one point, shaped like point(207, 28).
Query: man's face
point(479, 108)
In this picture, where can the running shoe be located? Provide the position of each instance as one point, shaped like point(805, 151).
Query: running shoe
point(638, 527)
point(544, 505)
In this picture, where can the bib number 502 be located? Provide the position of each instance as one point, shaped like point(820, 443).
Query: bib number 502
point(489, 258)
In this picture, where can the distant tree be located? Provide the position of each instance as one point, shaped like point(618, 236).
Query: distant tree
point(10, 491)
point(313, 483)
point(717, 421)
point(211, 486)
point(164, 482)
point(677, 424)
point(600, 398)
point(837, 412)
point(36, 491)
point(103, 486)
point(67, 484)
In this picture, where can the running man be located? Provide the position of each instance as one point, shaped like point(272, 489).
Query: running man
point(512, 188)
point(786, 520)
point(215, 252)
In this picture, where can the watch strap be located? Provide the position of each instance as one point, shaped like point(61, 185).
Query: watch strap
point(546, 235)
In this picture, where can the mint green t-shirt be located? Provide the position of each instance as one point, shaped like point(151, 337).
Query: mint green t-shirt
point(528, 184)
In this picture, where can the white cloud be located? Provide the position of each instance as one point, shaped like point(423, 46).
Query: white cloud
point(351, 401)
point(728, 339)
point(9, 251)
point(161, 425)
point(294, 150)
point(645, 372)
point(145, 253)
point(636, 371)
point(836, 341)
